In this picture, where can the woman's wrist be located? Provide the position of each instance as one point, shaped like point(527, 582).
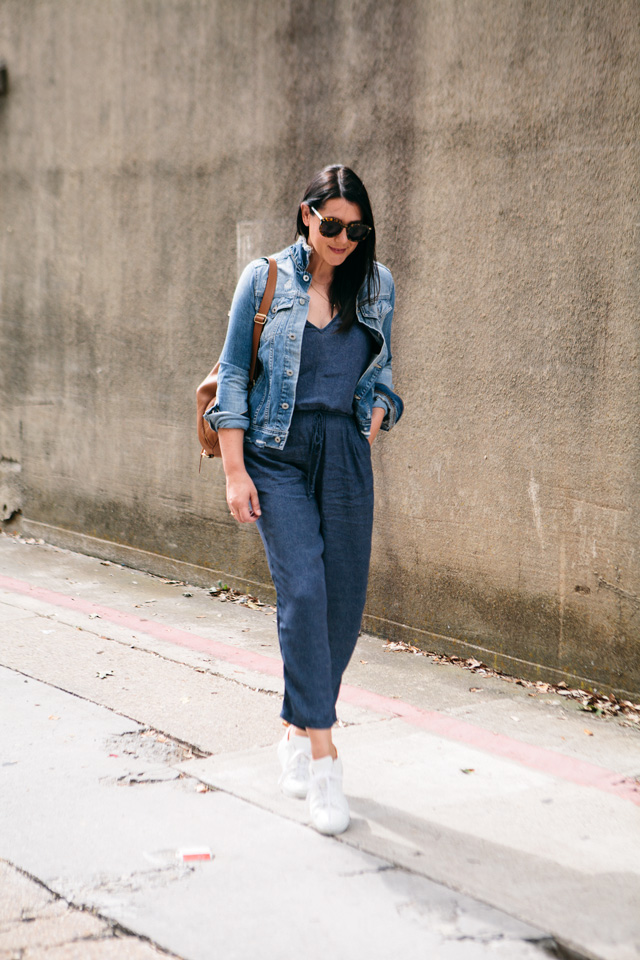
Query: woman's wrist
point(377, 416)
point(235, 472)
point(232, 449)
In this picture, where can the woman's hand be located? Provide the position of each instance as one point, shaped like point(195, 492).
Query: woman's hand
point(242, 497)
point(377, 416)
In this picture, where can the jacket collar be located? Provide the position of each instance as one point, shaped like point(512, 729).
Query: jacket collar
point(300, 252)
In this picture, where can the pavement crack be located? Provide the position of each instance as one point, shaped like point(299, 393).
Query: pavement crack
point(161, 656)
point(140, 726)
point(556, 947)
point(34, 879)
point(153, 878)
point(381, 868)
point(154, 747)
point(113, 928)
point(550, 946)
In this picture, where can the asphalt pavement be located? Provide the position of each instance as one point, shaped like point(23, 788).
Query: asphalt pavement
point(141, 815)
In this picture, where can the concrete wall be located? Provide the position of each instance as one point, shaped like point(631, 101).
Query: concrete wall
point(148, 148)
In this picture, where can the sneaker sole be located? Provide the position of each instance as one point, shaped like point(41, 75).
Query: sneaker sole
point(295, 793)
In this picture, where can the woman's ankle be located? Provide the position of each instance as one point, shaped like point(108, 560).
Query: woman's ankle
point(293, 731)
point(320, 752)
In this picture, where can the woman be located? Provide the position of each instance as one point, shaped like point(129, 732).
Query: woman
point(298, 461)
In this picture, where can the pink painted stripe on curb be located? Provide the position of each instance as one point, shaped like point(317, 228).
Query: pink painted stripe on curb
point(559, 765)
point(536, 758)
point(222, 651)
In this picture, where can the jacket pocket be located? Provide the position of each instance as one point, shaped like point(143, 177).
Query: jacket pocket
point(275, 319)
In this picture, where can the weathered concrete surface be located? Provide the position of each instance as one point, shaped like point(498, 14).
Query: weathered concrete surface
point(146, 151)
point(532, 840)
point(32, 918)
point(119, 858)
point(35, 924)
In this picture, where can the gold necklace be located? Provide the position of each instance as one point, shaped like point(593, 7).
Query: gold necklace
point(324, 297)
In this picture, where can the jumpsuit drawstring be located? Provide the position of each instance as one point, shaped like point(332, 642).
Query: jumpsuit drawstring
point(316, 447)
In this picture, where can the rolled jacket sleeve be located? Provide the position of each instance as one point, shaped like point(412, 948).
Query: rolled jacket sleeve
point(384, 394)
point(231, 409)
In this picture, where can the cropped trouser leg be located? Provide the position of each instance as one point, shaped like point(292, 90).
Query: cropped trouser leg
point(316, 498)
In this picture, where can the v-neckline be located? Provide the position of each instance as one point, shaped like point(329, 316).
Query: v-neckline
point(322, 329)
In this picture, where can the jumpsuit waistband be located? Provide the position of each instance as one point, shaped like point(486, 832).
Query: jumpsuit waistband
point(317, 441)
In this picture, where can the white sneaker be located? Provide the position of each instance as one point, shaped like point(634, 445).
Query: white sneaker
point(294, 754)
point(328, 805)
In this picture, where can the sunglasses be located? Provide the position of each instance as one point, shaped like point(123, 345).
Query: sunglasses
point(332, 227)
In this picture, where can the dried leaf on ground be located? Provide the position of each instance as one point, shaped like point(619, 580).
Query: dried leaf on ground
point(226, 594)
point(392, 647)
point(600, 704)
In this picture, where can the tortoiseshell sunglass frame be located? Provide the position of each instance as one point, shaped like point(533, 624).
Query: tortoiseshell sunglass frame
point(358, 224)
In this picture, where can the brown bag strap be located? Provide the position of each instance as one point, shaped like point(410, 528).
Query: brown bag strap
point(261, 316)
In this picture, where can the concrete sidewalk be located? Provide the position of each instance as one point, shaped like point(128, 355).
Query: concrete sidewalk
point(521, 802)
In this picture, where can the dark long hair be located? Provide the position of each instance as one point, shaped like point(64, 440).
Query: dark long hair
point(359, 269)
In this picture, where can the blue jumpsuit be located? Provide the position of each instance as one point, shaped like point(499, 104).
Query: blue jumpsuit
point(316, 498)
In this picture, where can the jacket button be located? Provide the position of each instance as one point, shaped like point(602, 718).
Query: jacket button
point(285, 406)
point(302, 301)
point(292, 336)
point(305, 277)
point(289, 373)
point(357, 396)
point(277, 439)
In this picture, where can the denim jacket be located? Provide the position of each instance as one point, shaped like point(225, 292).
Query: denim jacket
point(266, 418)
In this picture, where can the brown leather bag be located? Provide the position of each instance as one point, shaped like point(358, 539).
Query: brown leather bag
point(206, 392)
